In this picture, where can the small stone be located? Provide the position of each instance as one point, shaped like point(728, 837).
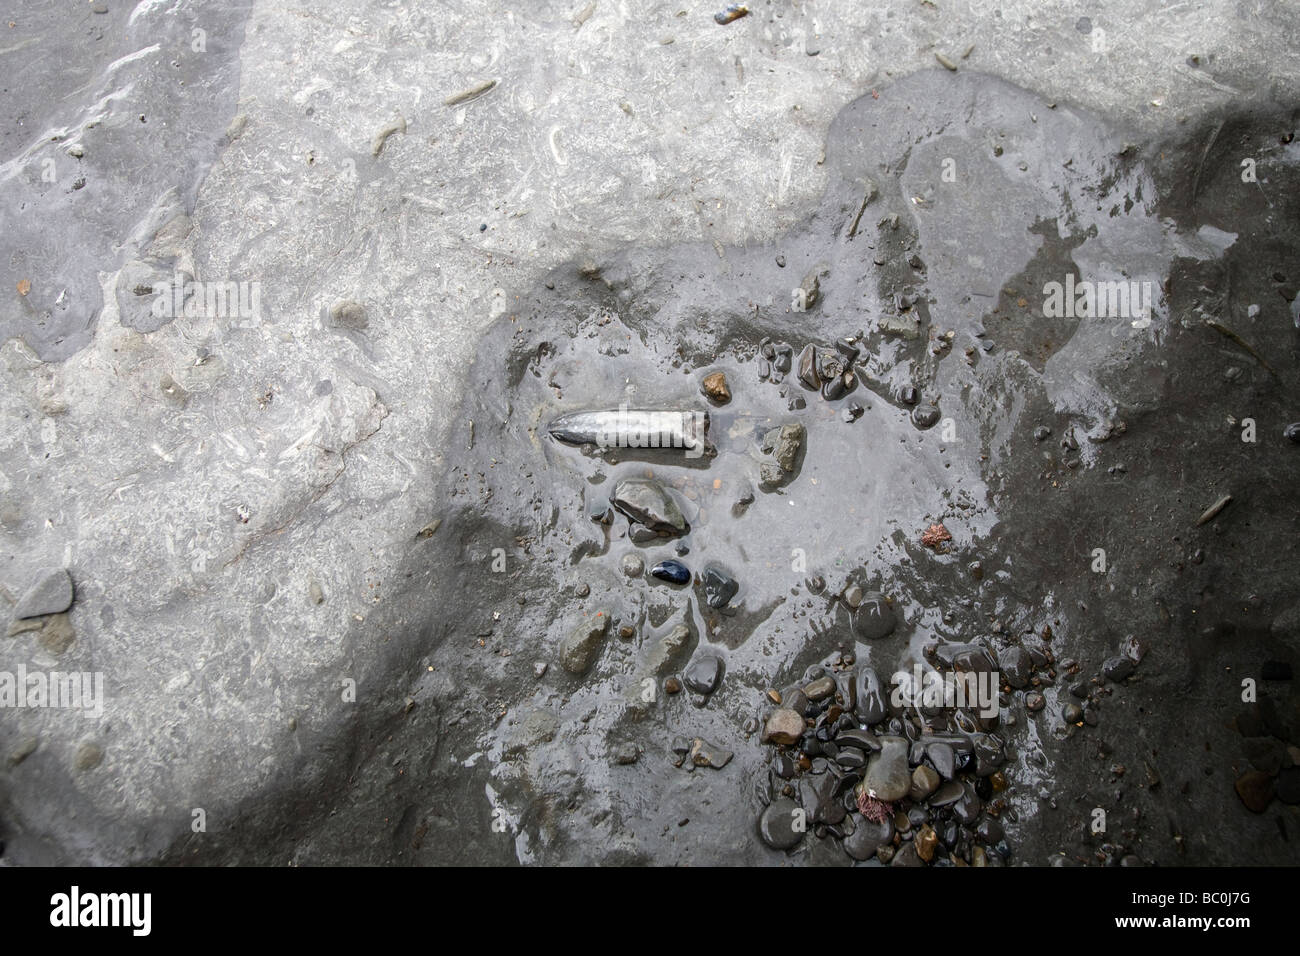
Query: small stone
point(989, 831)
point(1256, 790)
point(907, 855)
point(50, 594)
point(672, 686)
point(925, 416)
point(872, 705)
point(926, 841)
point(924, 782)
point(874, 617)
point(935, 536)
point(705, 754)
point(783, 444)
point(887, 777)
point(715, 387)
point(948, 793)
point(719, 587)
point(1016, 665)
point(88, 756)
point(1035, 702)
point(579, 649)
point(1118, 668)
point(315, 593)
point(867, 837)
point(777, 825)
point(24, 750)
point(674, 572)
point(647, 503)
point(57, 635)
point(540, 668)
point(704, 673)
point(632, 565)
point(1072, 713)
point(820, 689)
point(783, 727)
point(626, 754)
point(349, 315)
point(943, 758)
point(809, 291)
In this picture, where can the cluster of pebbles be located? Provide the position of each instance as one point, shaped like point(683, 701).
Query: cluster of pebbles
point(899, 788)
point(911, 782)
point(894, 781)
point(832, 372)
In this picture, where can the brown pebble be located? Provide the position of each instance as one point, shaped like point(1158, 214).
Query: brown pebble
point(715, 386)
point(88, 757)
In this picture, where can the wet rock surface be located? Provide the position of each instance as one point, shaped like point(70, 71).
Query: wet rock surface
point(838, 744)
point(581, 761)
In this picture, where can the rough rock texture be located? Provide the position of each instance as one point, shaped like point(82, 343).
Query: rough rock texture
point(195, 473)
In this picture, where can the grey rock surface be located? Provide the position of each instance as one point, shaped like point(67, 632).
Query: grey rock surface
point(196, 471)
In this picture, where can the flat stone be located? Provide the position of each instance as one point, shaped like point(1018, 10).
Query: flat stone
point(818, 795)
point(900, 326)
point(579, 649)
point(57, 635)
point(867, 837)
point(667, 649)
point(51, 593)
point(947, 793)
point(874, 617)
point(647, 502)
point(783, 727)
point(862, 739)
point(88, 756)
point(967, 807)
point(943, 758)
point(925, 781)
point(719, 586)
point(781, 826)
point(704, 673)
point(1118, 668)
point(907, 855)
point(705, 754)
point(783, 445)
point(819, 689)
point(1016, 666)
point(871, 706)
point(887, 776)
